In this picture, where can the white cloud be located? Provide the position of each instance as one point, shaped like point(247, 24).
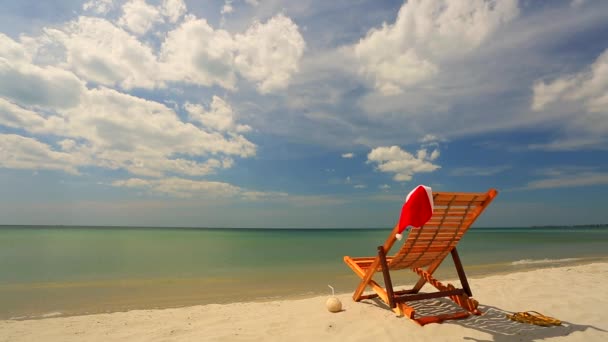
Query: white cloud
point(14, 116)
point(588, 88)
point(360, 186)
point(572, 144)
point(434, 155)
point(227, 8)
point(98, 6)
point(17, 152)
point(569, 180)
point(402, 163)
point(139, 17)
point(196, 53)
point(112, 130)
point(102, 127)
point(186, 188)
point(39, 86)
point(430, 138)
point(348, 155)
point(579, 99)
point(253, 3)
point(220, 116)
point(142, 136)
point(173, 9)
point(384, 186)
point(269, 53)
point(11, 50)
point(424, 35)
point(100, 52)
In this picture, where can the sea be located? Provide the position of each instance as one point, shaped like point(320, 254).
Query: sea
point(48, 271)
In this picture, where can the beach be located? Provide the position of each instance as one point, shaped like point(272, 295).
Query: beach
point(576, 294)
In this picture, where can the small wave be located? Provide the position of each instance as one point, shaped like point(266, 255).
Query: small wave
point(45, 315)
point(542, 261)
point(51, 314)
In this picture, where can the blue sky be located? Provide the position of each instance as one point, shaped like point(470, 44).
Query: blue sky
point(254, 113)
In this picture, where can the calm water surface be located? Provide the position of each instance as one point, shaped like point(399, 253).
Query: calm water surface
point(75, 270)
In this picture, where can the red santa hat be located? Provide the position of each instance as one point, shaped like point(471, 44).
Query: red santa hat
point(417, 209)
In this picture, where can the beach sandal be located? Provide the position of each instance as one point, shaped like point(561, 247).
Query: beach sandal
point(533, 317)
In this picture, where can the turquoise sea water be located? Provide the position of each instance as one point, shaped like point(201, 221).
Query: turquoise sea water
point(48, 271)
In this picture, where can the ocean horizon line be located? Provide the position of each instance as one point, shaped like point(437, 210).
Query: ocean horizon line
point(73, 226)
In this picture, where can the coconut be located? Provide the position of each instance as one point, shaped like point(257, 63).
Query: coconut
point(333, 304)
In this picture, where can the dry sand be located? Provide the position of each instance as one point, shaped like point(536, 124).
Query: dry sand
point(578, 295)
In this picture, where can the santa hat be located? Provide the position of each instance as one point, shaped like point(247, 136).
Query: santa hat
point(417, 209)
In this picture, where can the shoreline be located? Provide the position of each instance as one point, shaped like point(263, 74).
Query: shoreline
point(473, 272)
point(575, 294)
point(193, 299)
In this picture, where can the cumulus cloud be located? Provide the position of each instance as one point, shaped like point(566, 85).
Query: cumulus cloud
point(139, 17)
point(112, 130)
point(57, 90)
point(144, 136)
point(98, 6)
point(17, 152)
point(11, 50)
point(269, 53)
point(39, 86)
point(196, 53)
point(193, 52)
point(33, 85)
point(402, 163)
point(173, 10)
point(348, 155)
point(14, 116)
point(220, 116)
point(425, 34)
point(99, 52)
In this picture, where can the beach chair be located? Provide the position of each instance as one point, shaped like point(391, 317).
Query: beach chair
point(422, 252)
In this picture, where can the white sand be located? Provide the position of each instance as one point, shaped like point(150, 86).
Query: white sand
point(578, 295)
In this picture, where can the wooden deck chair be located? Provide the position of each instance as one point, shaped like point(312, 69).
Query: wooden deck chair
point(422, 252)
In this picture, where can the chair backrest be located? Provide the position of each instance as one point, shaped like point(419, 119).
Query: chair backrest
point(453, 215)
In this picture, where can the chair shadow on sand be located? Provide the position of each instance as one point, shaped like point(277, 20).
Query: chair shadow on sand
point(493, 321)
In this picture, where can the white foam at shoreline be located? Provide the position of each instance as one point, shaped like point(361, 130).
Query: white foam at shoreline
point(542, 261)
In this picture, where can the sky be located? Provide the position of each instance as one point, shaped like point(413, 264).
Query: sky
point(300, 114)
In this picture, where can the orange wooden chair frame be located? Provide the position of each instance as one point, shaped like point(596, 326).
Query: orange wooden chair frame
point(427, 247)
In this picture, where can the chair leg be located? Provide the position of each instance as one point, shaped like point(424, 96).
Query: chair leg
point(388, 284)
point(366, 278)
point(461, 275)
